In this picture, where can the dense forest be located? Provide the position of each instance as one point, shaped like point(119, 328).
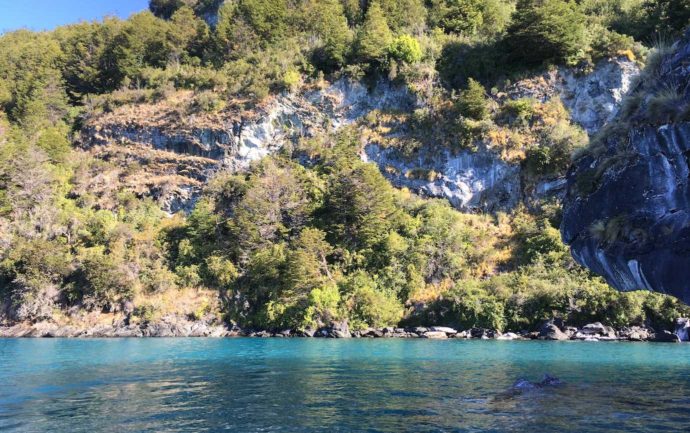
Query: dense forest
point(310, 235)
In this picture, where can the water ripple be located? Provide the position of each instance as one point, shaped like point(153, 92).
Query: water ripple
point(258, 385)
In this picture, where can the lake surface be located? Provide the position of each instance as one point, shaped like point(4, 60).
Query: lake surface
point(316, 385)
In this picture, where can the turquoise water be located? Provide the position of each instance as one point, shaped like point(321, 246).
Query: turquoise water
point(308, 385)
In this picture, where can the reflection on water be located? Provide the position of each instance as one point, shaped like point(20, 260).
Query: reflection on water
point(246, 385)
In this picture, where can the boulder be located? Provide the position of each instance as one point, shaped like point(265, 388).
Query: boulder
point(635, 333)
point(508, 336)
point(445, 329)
point(597, 328)
point(130, 331)
point(309, 333)
point(550, 331)
point(435, 335)
point(481, 333)
point(570, 331)
point(666, 337)
point(336, 330)
point(340, 330)
point(16, 331)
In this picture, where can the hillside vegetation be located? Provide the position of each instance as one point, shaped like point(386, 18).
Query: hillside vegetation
point(311, 235)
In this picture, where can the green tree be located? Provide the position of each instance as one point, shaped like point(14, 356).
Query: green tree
point(462, 16)
point(327, 19)
point(234, 37)
point(667, 17)
point(269, 18)
point(84, 45)
point(547, 30)
point(142, 42)
point(30, 69)
point(353, 11)
point(165, 8)
point(404, 15)
point(369, 305)
point(472, 102)
point(186, 35)
point(374, 37)
point(359, 207)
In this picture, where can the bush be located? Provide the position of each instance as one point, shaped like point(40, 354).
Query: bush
point(405, 48)
point(208, 101)
point(370, 306)
point(472, 102)
point(517, 111)
point(292, 79)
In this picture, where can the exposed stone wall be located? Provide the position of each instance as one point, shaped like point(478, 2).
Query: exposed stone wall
point(470, 180)
point(627, 210)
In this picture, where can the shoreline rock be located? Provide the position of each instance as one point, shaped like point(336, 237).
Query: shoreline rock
point(181, 327)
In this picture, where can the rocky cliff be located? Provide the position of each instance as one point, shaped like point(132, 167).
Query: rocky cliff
point(479, 179)
point(203, 143)
point(627, 210)
point(181, 151)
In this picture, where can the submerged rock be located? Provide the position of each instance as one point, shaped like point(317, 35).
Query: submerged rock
point(548, 380)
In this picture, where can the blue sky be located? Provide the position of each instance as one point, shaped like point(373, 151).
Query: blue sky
point(48, 14)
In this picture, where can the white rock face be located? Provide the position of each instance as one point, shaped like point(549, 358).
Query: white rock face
point(594, 99)
point(292, 116)
point(471, 181)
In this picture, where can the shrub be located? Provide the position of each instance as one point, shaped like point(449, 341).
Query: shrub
point(517, 111)
point(472, 306)
point(369, 305)
point(405, 48)
point(324, 306)
point(472, 102)
point(208, 101)
point(665, 106)
point(291, 79)
point(459, 61)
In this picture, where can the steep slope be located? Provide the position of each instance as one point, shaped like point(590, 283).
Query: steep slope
point(201, 143)
point(626, 215)
point(205, 142)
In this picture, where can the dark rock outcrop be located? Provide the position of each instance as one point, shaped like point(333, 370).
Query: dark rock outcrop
point(549, 331)
point(627, 208)
point(666, 337)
